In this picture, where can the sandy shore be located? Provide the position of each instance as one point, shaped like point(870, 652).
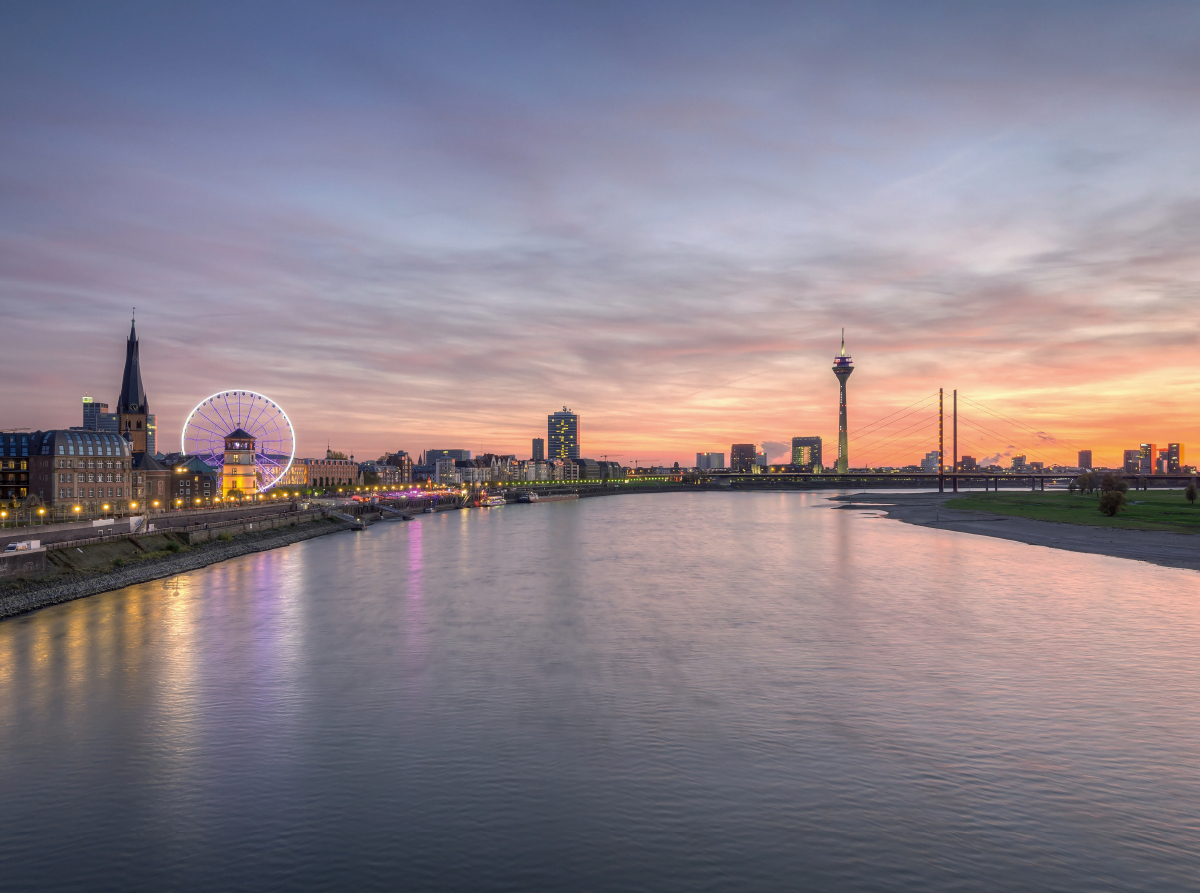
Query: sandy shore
point(931, 510)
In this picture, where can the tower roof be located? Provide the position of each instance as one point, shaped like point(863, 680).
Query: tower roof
point(240, 435)
point(132, 392)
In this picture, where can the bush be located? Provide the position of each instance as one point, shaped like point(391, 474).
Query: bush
point(173, 546)
point(118, 562)
point(1114, 484)
point(1112, 501)
point(224, 537)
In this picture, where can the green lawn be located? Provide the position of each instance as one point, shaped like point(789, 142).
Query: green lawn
point(1146, 510)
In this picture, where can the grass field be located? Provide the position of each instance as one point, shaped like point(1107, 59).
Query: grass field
point(1146, 510)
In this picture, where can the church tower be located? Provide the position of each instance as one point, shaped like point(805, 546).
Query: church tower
point(131, 407)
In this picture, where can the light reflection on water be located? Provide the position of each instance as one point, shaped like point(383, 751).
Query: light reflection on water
point(686, 691)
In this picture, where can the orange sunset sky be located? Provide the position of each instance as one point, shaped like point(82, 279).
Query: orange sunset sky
point(430, 229)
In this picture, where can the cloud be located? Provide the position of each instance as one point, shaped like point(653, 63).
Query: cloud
point(443, 242)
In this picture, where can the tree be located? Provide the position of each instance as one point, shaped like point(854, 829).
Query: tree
point(1190, 492)
point(1074, 485)
point(1111, 502)
point(1114, 484)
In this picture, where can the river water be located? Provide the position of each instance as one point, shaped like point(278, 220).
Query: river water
point(672, 692)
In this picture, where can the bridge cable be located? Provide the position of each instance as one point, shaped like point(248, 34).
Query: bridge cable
point(886, 417)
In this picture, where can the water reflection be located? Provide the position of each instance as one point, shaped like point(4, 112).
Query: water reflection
point(674, 692)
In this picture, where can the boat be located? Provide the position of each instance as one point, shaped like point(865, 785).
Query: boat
point(428, 511)
point(527, 497)
point(493, 500)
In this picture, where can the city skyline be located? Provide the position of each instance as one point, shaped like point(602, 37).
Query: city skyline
point(442, 241)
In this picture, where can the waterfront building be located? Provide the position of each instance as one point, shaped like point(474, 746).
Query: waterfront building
point(843, 365)
point(14, 466)
point(445, 470)
point(151, 481)
point(968, 463)
point(296, 475)
point(806, 451)
point(239, 475)
point(930, 463)
point(402, 461)
point(66, 468)
point(1085, 459)
point(131, 405)
point(709, 461)
point(539, 449)
point(562, 432)
point(331, 474)
point(742, 457)
point(194, 483)
point(1018, 462)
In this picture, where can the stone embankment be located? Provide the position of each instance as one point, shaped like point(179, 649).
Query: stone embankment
point(36, 594)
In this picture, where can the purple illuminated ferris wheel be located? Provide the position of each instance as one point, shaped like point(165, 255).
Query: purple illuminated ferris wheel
point(218, 416)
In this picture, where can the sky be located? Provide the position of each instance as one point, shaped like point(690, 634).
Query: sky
point(430, 225)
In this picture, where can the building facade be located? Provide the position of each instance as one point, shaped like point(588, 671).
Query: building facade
point(332, 474)
point(710, 461)
point(807, 451)
point(90, 469)
point(539, 449)
point(743, 457)
point(1085, 460)
point(96, 417)
point(239, 475)
point(562, 434)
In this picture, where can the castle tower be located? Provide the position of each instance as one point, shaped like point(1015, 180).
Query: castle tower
point(842, 367)
point(239, 472)
point(131, 406)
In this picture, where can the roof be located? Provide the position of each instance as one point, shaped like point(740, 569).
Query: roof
point(146, 462)
point(240, 434)
point(132, 392)
point(64, 442)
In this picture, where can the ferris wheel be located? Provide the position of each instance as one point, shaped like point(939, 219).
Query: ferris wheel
point(218, 416)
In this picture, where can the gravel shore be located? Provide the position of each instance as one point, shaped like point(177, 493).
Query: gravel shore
point(54, 591)
point(936, 510)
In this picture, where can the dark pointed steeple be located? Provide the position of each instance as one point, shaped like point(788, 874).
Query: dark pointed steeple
point(133, 395)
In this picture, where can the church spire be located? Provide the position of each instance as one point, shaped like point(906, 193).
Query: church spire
point(133, 395)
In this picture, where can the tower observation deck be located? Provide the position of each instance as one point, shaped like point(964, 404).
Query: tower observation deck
point(842, 367)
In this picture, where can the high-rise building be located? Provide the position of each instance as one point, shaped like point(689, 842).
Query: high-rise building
point(96, 417)
point(967, 463)
point(842, 367)
point(709, 461)
point(1085, 459)
point(742, 457)
point(539, 449)
point(1147, 453)
point(1018, 462)
point(930, 463)
point(151, 434)
point(807, 451)
point(131, 406)
point(1132, 462)
point(562, 431)
point(1175, 460)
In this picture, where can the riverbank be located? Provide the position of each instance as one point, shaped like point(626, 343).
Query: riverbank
point(90, 578)
point(938, 510)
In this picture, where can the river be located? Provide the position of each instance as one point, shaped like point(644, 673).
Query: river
point(687, 691)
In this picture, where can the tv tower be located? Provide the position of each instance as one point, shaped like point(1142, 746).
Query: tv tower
point(842, 367)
